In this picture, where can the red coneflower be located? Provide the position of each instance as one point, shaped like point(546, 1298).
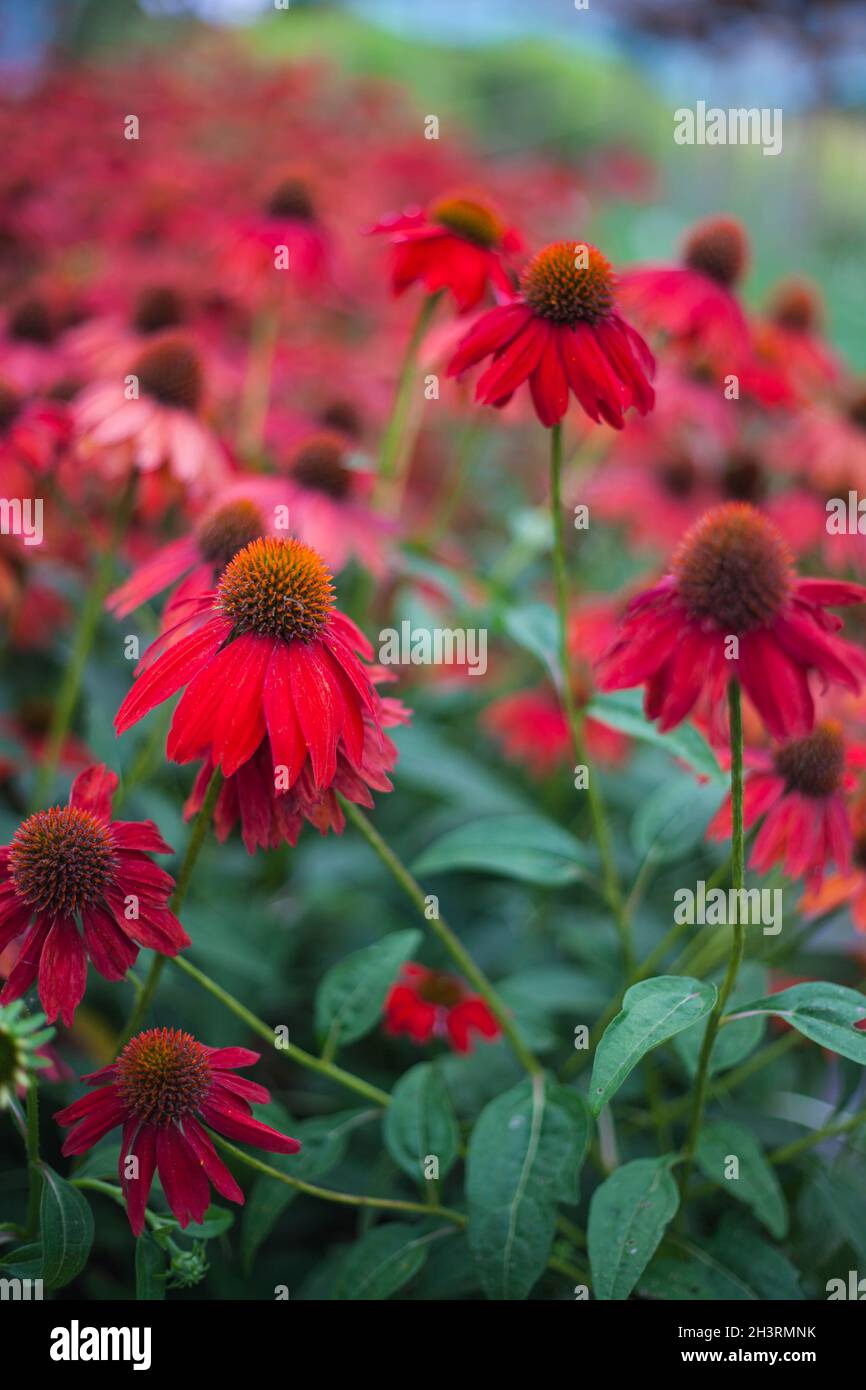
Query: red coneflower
point(429, 1004)
point(88, 890)
point(798, 789)
point(160, 1089)
point(286, 225)
point(329, 502)
point(456, 244)
point(840, 889)
point(201, 557)
point(732, 577)
point(266, 653)
point(694, 304)
point(561, 334)
point(160, 426)
point(269, 816)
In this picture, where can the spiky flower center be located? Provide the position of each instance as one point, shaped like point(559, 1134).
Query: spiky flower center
point(291, 199)
point(343, 416)
point(569, 282)
point(744, 478)
point(814, 765)
point(475, 221)
point(171, 373)
point(33, 322)
point(857, 407)
point(162, 1075)
point(61, 860)
point(10, 405)
point(227, 530)
point(277, 588)
point(733, 569)
point(320, 465)
point(437, 987)
point(679, 475)
point(157, 308)
point(795, 305)
point(717, 248)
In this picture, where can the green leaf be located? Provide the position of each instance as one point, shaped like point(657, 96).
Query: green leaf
point(323, 1144)
point(628, 1216)
point(151, 1263)
point(756, 1184)
point(623, 710)
point(533, 627)
point(821, 1011)
point(67, 1229)
point(670, 822)
point(652, 1012)
point(524, 1156)
point(350, 997)
point(217, 1220)
point(525, 847)
point(382, 1261)
point(735, 1041)
point(420, 1121)
point(23, 1263)
point(747, 1261)
point(100, 1162)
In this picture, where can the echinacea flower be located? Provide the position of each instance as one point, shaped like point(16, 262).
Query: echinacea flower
point(198, 558)
point(286, 226)
point(429, 1004)
point(87, 889)
point(329, 503)
point(561, 334)
point(798, 791)
point(266, 654)
point(160, 425)
point(164, 1088)
point(268, 816)
point(22, 1050)
point(694, 304)
point(733, 608)
point(455, 244)
point(842, 889)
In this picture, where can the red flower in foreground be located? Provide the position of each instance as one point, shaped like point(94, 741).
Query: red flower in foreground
point(454, 245)
point(798, 790)
point(431, 1004)
point(562, 334)
point(160, 1089)
point(266, 654)
point(74, 867)
point(732, 576)
point(694, 304)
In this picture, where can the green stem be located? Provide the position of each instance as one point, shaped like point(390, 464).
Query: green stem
point(289, 1050)
point(450, 941)
point(257, 385)
point(798, 1146)
point(109, 1190)
point(612, 890)
point(346, 1199)
point(389, 454)
point(88, 624)
point(735, 959)
point(34, 1174)
point(157, 965)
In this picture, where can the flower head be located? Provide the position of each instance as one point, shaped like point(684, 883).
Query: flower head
point(86, 888)
point(429, 1004)
point(798, 792)
point(733, 608)
point(22, 1054)
point(265, 655)
point(163, 1089)
point(561, 334)
point(457, 244)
